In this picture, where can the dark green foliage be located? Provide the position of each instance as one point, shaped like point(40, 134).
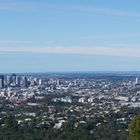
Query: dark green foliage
point(134, 129)
point(97, 128)
point(84, 131)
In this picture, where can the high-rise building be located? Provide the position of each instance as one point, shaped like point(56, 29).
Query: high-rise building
point(40, 82)
point(14, 80)
point(137, 80)
point(8, 80)
point(24, 81)
point(18, 81)
point(1, 81)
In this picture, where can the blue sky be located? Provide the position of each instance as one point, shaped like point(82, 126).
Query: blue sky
point(69, 35)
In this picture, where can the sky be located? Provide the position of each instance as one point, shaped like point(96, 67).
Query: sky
point(69, 35)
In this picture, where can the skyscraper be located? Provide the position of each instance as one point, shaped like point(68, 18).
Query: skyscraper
point(1, 81)
point(13, 80)
point(18, 81)
point(137, 81)
point(8, 80)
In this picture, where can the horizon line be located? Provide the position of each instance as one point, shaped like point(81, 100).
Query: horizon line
point(105, 71)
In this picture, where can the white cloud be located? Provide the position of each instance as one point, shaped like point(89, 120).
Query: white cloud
point(109, 51)
point(22, 6)
point(110, 36)
point(116, 12)
point(15, 42)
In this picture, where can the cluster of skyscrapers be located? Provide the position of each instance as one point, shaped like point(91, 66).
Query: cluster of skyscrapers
point(17, 81)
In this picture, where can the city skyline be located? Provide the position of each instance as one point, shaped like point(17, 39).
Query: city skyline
point(45, 36)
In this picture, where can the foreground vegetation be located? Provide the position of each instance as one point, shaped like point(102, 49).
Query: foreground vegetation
point(112, 126)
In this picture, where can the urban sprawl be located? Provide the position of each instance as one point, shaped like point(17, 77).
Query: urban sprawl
point(59, 98)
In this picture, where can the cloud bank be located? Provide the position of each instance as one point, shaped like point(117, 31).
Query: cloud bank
point(107, 51)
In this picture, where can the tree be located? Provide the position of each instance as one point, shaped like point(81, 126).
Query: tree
point(134, 129)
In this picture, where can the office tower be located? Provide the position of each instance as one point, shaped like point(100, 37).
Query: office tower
point(57, 82)
point(32, 82)
point(40, 82)
point(35, 81)
point(13, 80)
point(8, 80)
point(1, 81)
point(24, 81)
point(17, 80)
point(137, 81)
